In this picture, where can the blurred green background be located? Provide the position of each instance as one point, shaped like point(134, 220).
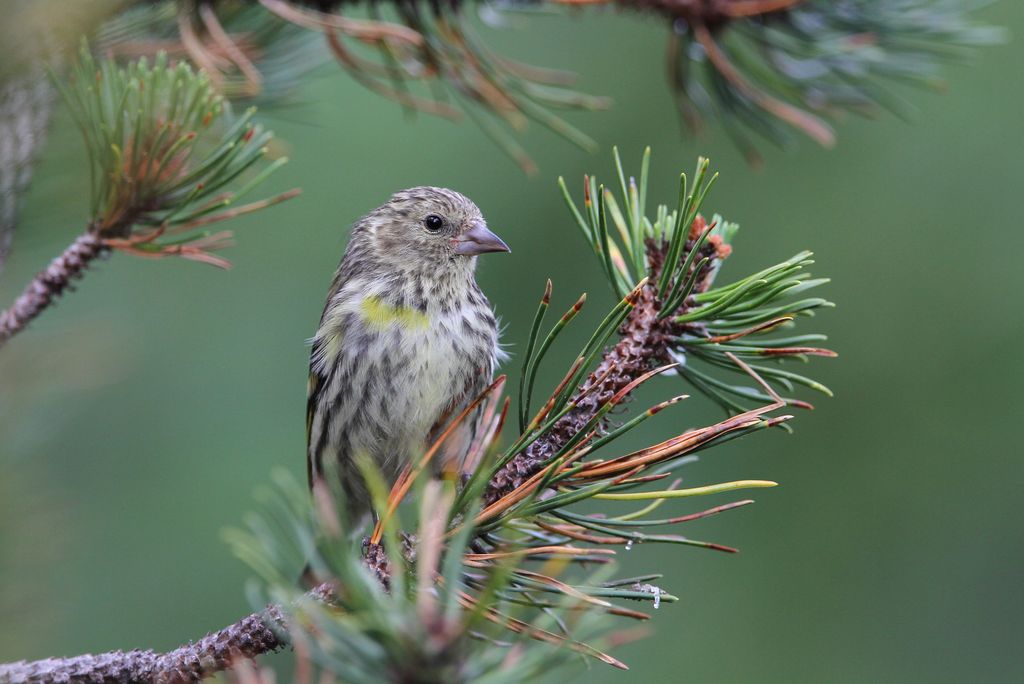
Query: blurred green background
point(138, 416)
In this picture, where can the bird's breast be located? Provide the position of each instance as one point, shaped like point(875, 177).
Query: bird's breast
point(378, 314)
point(450, 353)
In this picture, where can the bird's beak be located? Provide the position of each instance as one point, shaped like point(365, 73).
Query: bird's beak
point(479, 240)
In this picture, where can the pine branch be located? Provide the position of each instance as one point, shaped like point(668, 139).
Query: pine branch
point(490, 557)
point(218, 651)
point(252, 636)
point(749, 64)
point(644, 343)
point(160, 171)
point(50, 284)
point(760, 68)
point(662, 314)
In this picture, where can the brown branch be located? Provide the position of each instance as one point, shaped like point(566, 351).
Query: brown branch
point(711, 12)
point(751, 8)
point(812, 126)
point(643, 344)
point(49, 284)
point(249, 637)
point(252, 636)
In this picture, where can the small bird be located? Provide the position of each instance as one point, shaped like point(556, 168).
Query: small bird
point(406, 340)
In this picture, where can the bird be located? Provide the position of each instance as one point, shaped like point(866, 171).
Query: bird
point(406, 341)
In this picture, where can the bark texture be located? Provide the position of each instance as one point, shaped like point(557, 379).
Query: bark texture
point(49, 283)
point(643, 344)
point(250, 637)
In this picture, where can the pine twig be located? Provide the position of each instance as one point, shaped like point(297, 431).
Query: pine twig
point(643, 338)
point(641, 346)
point(248, 638)
point(50, 283)
point(162, 169)
point(254, 635)
point(470, 560)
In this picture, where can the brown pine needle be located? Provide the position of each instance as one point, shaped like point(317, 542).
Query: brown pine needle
point(253, 78)
point(409, 475)
point(360, 70)
point(357, 28)
point(520, 627)
point(576, 532)
point(738, 9)
point(537, 551)
point(762, 327)
point(811, 125)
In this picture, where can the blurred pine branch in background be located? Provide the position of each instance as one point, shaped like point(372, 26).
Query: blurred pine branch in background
point(761, 67)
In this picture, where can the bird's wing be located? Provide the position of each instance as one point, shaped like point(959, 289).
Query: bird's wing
point(318, 373)
point(320, 370)
point(314, 387)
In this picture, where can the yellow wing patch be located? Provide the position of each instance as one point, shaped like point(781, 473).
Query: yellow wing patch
point(378, 314)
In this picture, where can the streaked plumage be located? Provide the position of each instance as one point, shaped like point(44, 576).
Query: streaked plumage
point(406, 338)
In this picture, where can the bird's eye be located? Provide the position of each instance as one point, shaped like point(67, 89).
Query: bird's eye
point(433, 223)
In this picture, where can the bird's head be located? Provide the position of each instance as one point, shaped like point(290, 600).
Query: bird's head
point(431, 227)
